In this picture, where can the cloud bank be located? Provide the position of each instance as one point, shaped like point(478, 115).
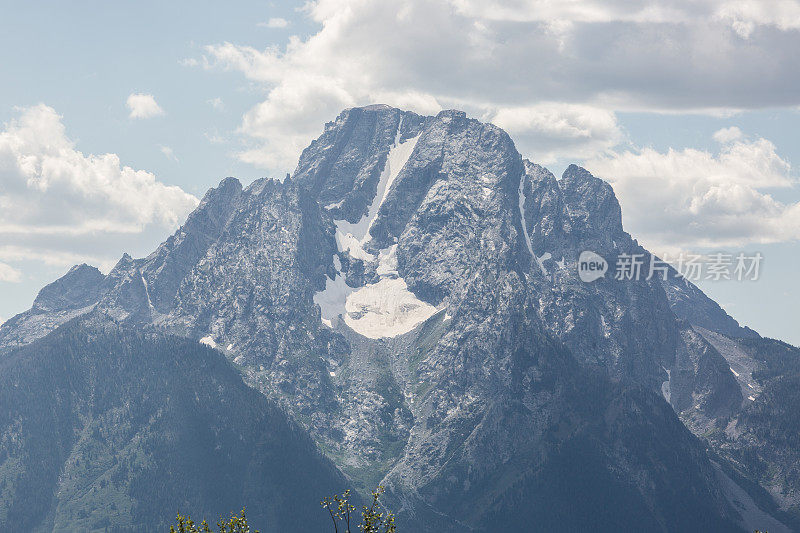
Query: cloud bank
point(570, 63)
point(60, 206)
point(699, 199)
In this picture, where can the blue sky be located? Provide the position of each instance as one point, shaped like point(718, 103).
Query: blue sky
point(689, 109)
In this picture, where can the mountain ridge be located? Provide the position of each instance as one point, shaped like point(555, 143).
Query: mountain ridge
point(477, 248)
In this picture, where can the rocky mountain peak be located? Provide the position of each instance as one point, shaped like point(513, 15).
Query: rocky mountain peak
point(592, 204)
point(227, 188)
point(77, 288)
point(341, 167)
point(124, 263)
point(448, 115)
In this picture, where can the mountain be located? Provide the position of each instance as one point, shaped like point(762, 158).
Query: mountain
point(116, 429)
point(410, 296)
point(74, 294)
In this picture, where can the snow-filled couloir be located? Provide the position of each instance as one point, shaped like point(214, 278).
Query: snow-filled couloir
point(385, 308)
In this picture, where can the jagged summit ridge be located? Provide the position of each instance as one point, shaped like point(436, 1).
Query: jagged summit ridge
point(411, 210)
point(410, 296)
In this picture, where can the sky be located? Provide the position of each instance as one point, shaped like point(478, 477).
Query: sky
point(116, 117)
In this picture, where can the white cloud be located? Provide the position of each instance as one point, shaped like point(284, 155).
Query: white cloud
point(217, 103)
point(592, 11)
point(10, 274)
point(60, 205)
point(547, 132)
point(51, 256)
point(575, 62)
point(727, 135)
point(275, 22)
point(168, 152)
point(692, 198)
point(143, 106)
point(745, 16)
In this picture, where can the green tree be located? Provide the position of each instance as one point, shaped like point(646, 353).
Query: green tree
point(340, 509)
point(234, 524)
point(374, 519)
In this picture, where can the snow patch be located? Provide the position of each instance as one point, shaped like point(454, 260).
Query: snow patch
point(208, 340)
point(331, 300)
point(666, 387)
point(347, 242)
point(522, 199)
point(335, 205)
point(387, 261)
point(352, 237)
point(147, 292)
point(385, 309)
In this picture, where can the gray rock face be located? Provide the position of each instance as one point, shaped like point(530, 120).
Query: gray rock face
point(459, 182)
point(342, 167)
point(410, 295)
point(658, 330)
point(251, 295)
point(710, 387)
point(624, 326)
point(166, 267)
point(72, 295)
point(504, 415)
point(760, 439)
point(689, 302)
point(124, 294)
point(592, 206)
point(76, 289)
